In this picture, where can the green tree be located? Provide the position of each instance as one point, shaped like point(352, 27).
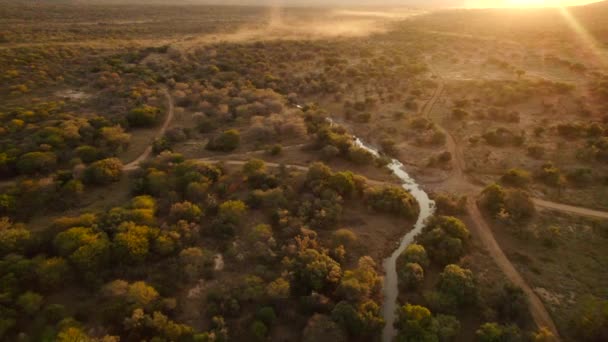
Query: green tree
point(103, 172)
point(516, 177)
point(361, 283)
point(52, 272)
point(494, 332)
point(543, 335)
point(30, 302)
point(445, 239)
point(258, 330)
point(254, 166)
point(364, 321)
point(266, 315)
point(415, 324)
point(394, 200)
point(86, 248)
point(185, 211)
point(143, 116)
point(344, 237)
point(34, 162)
point(411, 275)
point(415, 253)
point(590, 319)
point(194, 262)
point(449, 327)
point(313, 270)
point(132, 242)
point(87, 154)
point(320, 328)
point(227, 141)
point(457, 285)
point(232, 211)
point(14, 238)
point(278, 289)
point(342, 182)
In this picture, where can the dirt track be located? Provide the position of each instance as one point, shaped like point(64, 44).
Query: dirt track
point(569, 209)
point(148, 151)
point(458, 181)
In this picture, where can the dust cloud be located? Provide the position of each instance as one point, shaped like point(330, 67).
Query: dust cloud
point(296, 24)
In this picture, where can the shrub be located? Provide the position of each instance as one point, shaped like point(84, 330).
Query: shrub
point(411, 275)
point(550, 175)
point(415, 253)
point(580, 177)
point(34, 162)
point(394, 200)
point(457, 286)
point(143, 116)
point(516, 177)
point(87, 154)
point(494, 332)
point(185, 211)
point(227, 141)
point(445, 239)
point(460, 114)
point(450, 205)
point(13, 238)
point(360, 156)
point(103, 172)
point(344, 237)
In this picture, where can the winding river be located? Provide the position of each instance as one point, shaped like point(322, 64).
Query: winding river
point(427, 208)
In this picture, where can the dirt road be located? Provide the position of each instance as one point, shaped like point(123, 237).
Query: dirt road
point(161, 132)
point(484, 232)
point(459, 182)
point(569, 209)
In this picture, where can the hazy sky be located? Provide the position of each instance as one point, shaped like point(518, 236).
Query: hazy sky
point(423, 3)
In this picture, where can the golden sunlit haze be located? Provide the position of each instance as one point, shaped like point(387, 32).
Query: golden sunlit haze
point(525, 3)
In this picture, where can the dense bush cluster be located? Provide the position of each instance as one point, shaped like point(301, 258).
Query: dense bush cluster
point(131, 260)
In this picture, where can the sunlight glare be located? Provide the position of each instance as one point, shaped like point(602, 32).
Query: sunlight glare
point(524, 3)
point(587, 39)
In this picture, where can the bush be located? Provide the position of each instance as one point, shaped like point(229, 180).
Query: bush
point(445, 239)
point(103, 172)
point(457, 287)
point(411, 275)
point(550, 175)
point(415, 253)
point(580, 177)
point(34, 162)
point(394, 200)
point(143, 116)
point(450, 205)
point(590, 319)
point(87, 154)
point(516, 177)
point(185, 211)
point(494, 332)
point(227, 141)
point(259, 331)
point(13, 238)
point(360, 156)
point(510, 206)
point(460, 114)
point(344, 237)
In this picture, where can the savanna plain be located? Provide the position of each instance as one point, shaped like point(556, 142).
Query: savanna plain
point(240, 173)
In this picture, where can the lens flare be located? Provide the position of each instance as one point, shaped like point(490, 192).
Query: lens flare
point(586, 38)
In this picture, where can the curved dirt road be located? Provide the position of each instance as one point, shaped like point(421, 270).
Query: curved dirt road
point(539, 313)
point(569, 209)
point(148, 151)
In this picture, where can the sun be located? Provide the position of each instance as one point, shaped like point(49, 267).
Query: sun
point(524, 3)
